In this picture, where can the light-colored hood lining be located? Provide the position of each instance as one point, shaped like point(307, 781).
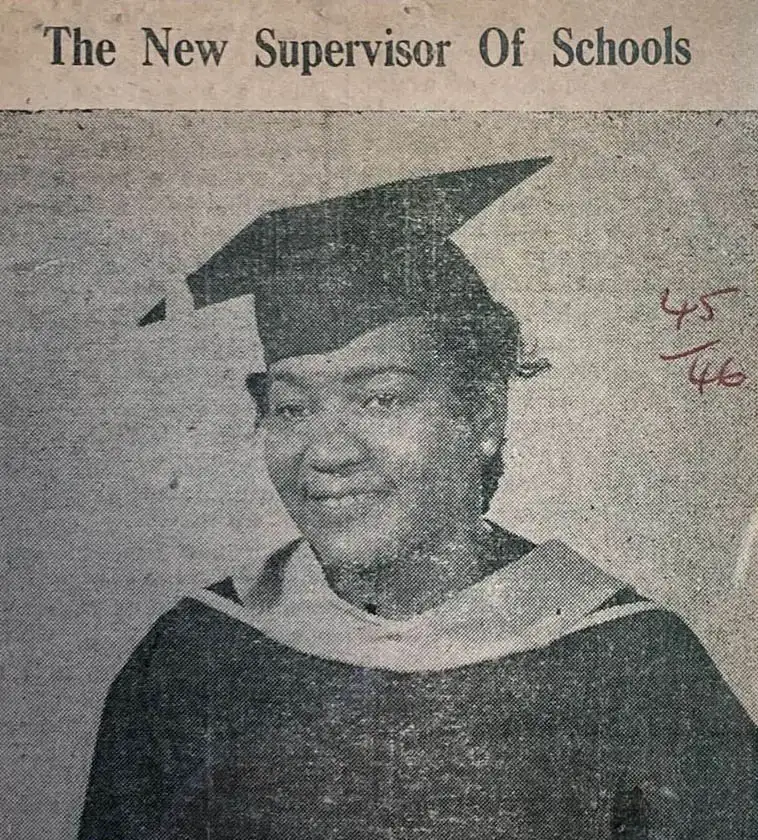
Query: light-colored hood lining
point(543, 596)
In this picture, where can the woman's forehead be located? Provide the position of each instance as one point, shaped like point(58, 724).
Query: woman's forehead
point(405, 345)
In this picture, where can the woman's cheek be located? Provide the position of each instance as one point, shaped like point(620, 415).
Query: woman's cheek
point(281, 454)
point(407, 440)
point(417, 452)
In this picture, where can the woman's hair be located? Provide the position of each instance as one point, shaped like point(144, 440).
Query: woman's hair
point(480, 352)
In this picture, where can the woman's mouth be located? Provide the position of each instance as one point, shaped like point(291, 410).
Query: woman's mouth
point(344, 501)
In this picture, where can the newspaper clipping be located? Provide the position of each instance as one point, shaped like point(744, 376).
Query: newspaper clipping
point(380, 449)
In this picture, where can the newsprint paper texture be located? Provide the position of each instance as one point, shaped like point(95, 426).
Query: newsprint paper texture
point(291, 294)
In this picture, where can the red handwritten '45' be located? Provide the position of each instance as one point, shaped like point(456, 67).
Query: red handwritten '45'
point(688, 308)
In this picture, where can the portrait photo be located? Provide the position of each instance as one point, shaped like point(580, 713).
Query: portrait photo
point(383, 476)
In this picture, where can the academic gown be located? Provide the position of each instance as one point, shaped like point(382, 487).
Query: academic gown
point(547, 701)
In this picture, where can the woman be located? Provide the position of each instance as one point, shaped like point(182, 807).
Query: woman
point(407, 669)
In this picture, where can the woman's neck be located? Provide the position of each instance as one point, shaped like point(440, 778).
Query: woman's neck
point(418, 580)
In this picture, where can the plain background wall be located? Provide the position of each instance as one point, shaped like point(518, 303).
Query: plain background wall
point(129, 466)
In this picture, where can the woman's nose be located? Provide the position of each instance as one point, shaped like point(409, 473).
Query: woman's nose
point(333, 446)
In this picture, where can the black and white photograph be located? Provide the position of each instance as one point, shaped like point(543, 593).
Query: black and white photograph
point(380, 476)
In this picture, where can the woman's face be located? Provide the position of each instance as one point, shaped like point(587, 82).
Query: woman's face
point(367, 449)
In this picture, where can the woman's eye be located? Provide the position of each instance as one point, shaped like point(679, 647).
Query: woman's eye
point(289, 411)
point(381, 401)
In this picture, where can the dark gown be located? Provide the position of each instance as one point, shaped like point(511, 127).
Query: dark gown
point(624, 729)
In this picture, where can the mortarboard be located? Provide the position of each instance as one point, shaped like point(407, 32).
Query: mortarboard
point(322, 274)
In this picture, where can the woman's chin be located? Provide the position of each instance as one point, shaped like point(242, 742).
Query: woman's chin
point(354, 547)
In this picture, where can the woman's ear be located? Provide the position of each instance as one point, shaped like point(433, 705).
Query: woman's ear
point(489, 446)
point(492, 427)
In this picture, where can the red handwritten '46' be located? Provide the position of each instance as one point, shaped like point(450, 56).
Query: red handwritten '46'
point(723, 376)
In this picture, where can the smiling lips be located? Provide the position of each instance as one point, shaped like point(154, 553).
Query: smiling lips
point(342, 500)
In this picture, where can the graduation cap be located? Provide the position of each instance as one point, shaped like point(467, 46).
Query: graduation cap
point(324, 273)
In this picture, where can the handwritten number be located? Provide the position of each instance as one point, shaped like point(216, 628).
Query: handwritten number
point(699, 376)
point(681, 313)
point(731, 379)
point(702, 373)
point(688, 308)
point(702, 379)
point(725, 377)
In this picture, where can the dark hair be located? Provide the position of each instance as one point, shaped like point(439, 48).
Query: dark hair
point(257, 386)
point(480, 352)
